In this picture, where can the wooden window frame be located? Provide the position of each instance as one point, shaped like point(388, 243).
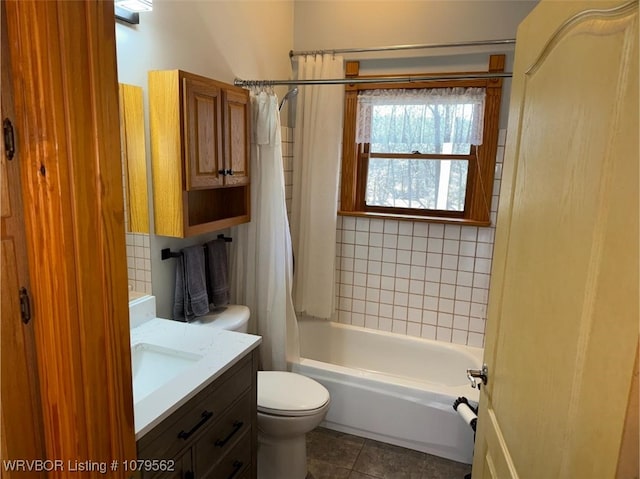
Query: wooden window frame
point(482, 158)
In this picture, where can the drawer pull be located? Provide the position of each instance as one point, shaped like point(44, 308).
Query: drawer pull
point(237, 465)
point(206, 415)
point(237, 425)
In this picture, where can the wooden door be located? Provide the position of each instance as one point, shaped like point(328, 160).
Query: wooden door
point(66, 102)
point(563, 310)
point(236, 124)
point(20, 408)
point(203, 133)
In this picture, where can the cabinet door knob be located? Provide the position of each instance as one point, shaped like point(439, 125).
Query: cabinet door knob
point(222, 172)
point(229, 172)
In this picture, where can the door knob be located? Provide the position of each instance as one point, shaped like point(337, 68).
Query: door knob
point(474, 374)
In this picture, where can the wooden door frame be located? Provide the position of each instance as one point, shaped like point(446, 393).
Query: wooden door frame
point(20, 414)
point(63, 57)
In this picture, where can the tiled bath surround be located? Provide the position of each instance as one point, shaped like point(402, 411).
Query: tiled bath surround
point(422, 279)
point(419, 279)
point(287, 160)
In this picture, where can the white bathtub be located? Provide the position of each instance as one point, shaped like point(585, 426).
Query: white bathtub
point(390, 387)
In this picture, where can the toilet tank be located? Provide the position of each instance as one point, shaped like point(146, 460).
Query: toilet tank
point(233, 317)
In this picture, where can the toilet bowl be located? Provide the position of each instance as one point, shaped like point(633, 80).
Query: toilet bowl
point(289, 406)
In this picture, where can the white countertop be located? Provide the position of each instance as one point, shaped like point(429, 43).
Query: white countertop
point(220, 350)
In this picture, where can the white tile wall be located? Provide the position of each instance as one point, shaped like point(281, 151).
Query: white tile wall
point(139, 262)
point(421, 279)
point(287, 164)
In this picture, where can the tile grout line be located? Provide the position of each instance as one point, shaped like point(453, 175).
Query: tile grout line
point(356, 461)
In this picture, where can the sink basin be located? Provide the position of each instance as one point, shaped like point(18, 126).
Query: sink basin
point(152, 366)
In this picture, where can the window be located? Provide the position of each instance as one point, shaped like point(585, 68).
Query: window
point(421, 150)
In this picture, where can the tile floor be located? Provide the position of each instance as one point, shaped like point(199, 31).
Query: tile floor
point(335, 455)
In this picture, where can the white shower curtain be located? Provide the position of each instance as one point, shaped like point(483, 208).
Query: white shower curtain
point(262, 254)
point(317, 151)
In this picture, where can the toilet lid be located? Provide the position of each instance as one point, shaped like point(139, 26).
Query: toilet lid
point(285, 393)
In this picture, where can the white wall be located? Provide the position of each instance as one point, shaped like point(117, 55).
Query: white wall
point(361, 23)
point(321, 24)
point(220, 39)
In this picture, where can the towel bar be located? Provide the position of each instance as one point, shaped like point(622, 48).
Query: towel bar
point(166, 253)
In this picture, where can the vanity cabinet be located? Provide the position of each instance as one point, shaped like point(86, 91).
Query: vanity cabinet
point(200, 153)
point(214, 434)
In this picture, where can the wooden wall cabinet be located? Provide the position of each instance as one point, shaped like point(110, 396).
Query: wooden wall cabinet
point(213, 435)
point(200, 147)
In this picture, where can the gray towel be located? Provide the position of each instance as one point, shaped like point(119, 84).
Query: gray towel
point(190, 298)
point(218, 283)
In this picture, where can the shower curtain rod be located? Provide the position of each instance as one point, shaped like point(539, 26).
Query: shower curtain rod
point(350, 81)
point(505, 41)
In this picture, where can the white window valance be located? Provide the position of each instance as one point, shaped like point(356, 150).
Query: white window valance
point(424, 120)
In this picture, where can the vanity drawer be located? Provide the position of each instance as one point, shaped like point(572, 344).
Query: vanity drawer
point(235, 464)
point(224, 435)
point(196, 415)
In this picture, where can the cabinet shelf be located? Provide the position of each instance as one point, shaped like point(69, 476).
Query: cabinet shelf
point(214, 209)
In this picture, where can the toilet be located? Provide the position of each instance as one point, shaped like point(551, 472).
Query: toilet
point(232, 317)
point(289, 406)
